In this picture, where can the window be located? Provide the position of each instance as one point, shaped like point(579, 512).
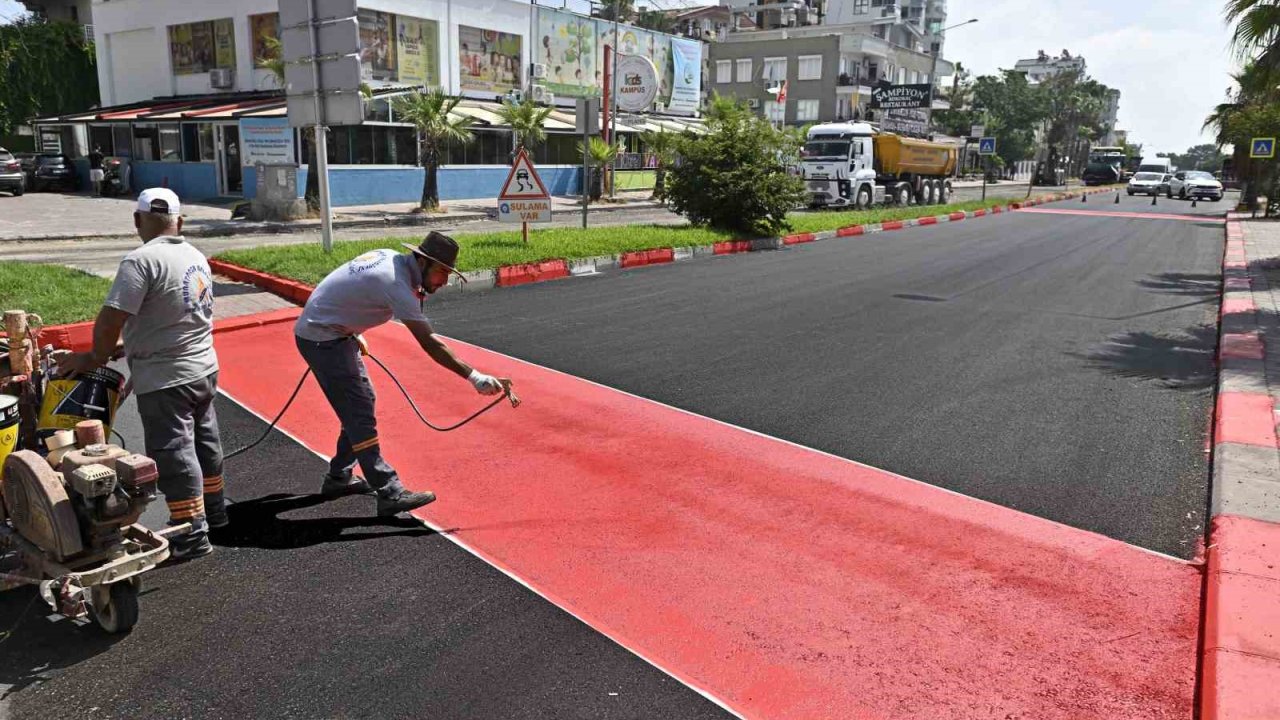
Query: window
point(197, 142)
point(806, 110)
point(775, 111)
point(861, 7)
point(809, 67)
point(170, 143)
point(262, 30)
point(146, 142)
point(122, 137)
point(724, 71)
point(743, 70)
point(902, 76)
point(100, 136)
point(201, 46)
point(775, 69)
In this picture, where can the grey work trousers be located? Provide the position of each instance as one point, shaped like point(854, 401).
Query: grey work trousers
point(345, 382)
point(181, 430)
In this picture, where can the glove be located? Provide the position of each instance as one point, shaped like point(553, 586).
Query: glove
point(484, 384)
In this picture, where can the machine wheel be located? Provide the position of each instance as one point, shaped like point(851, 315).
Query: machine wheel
point(115, 606)
point(903, 197)
point(862, 200)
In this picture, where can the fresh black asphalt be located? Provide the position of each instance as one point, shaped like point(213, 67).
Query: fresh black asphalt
point(316, 609)
point(1059, 365)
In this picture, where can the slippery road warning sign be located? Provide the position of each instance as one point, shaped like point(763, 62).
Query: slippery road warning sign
point(524, 199)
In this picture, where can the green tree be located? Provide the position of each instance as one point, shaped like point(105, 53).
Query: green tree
point(655, 20)
point(620, 10)
point(527, 121)
point(431, 112)
point(1012, 109)
point(1207, 157)
point(663, 146)
point(736, 176)
point(49, 69)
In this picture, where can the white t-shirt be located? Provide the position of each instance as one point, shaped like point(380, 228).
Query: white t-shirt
point(370, 290)
point(167, 288)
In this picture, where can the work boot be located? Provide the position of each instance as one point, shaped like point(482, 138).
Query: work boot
point(190, 546)
point(403, 501)
point(336, 487)
point(217, 516)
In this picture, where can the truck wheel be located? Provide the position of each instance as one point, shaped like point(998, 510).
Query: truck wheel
point(903, 196)
point(944, 192)
point(862, 200)
point(930, 192)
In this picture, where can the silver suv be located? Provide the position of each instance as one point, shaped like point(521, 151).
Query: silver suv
point(12, 178)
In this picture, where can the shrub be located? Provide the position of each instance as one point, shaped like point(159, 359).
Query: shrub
point(735, 177)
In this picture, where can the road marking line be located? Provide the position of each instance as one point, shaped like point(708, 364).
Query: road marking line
point(1128, 215)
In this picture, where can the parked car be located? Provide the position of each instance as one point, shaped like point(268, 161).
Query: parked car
point(12, 179)
point(1164, 184)
point(1145, 183)
point(55, 171)
point(28, 162)
point(1194, 184)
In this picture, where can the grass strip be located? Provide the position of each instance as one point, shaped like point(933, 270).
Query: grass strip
point(57, 294)
point(483, 251)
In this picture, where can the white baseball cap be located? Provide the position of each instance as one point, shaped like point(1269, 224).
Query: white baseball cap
point(159, 200)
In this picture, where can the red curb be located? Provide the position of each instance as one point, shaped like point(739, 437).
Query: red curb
point(927, 221)
point(798, 238)
point(996, 209)
point(1241, 676)
point(73, 336)
point(731, 247)
point(979, 213)
point(1239, 283)
point(640, 258)
point(1015, 206)
point(1233, 305)
point(270, 317)
point(290, 290)
point(1234, 265)
point(957, 216)
point(510, 275)
point(891, 225)
point(852, 230)
point(1245, 418)
point(1241, 345)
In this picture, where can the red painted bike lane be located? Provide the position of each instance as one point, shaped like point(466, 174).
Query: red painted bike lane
point(784, 582)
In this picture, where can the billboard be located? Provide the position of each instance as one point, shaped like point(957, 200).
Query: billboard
point(488, 60)
point(901, 97)
point(266, 140)
point(201, 46)
point(262, 30)
point(566, 44)
point(378, 57)
point(418, 51)
point(686, 75)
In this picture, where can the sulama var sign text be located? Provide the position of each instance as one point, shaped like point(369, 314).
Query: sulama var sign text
point(900, 97)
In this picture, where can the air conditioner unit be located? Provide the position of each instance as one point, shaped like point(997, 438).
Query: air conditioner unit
point(514, 95)
point(222, 78)
point(539, 71)
point(539, 93)
point(753, 103)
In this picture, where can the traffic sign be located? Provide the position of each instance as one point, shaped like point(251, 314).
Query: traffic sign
point(1263, 148)
point(987, 146)
point(977, 131)
point(524, 199)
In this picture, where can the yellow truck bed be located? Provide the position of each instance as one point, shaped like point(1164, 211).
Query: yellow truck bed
point(902, 155)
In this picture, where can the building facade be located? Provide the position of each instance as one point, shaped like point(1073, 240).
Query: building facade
point(76, 11)
point(188, 94)
point(1044, 66)
point(830, 67)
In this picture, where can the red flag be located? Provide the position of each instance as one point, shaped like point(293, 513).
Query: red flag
point(782, 92)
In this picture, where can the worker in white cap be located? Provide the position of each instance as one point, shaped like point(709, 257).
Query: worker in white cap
point(162, 301)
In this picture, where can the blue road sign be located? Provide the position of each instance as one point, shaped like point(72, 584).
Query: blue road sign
point(987, 146)
point(1263, 148)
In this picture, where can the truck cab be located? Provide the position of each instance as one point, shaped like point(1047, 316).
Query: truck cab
point(838, 165)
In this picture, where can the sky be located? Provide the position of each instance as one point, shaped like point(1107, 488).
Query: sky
point(1169, 59)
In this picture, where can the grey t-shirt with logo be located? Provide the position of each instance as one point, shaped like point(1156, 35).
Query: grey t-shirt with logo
point(167, 288)
point(365, 293)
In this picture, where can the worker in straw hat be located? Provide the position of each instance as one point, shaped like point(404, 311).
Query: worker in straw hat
point(372, 289)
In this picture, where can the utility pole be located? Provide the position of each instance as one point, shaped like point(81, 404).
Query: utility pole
point(933, 71)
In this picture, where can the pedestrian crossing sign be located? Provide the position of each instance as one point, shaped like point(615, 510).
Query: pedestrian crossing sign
point(1263, 148)
point(987, 146)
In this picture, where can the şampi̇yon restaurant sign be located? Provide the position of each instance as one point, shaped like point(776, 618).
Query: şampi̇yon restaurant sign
point(901, 97)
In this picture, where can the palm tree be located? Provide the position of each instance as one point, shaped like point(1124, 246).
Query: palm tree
point(663, 146)
point(432, 113)
point(1256, 34)
point(601, 154)
point(527, 122)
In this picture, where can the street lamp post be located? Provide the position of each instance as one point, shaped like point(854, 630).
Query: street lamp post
point(933, 71)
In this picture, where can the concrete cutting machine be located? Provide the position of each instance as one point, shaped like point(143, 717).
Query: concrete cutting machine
point(69, 500)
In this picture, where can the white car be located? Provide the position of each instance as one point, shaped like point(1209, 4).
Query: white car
point(1194, 184)
point(1145, 183)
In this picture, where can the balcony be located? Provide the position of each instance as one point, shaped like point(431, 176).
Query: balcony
point(865, 45)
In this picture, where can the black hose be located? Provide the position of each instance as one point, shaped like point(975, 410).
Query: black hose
point(400, 387)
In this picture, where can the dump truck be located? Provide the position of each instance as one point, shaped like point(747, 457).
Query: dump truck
point(856, 165)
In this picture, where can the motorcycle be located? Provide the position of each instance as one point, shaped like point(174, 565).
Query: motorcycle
point(115, 177)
